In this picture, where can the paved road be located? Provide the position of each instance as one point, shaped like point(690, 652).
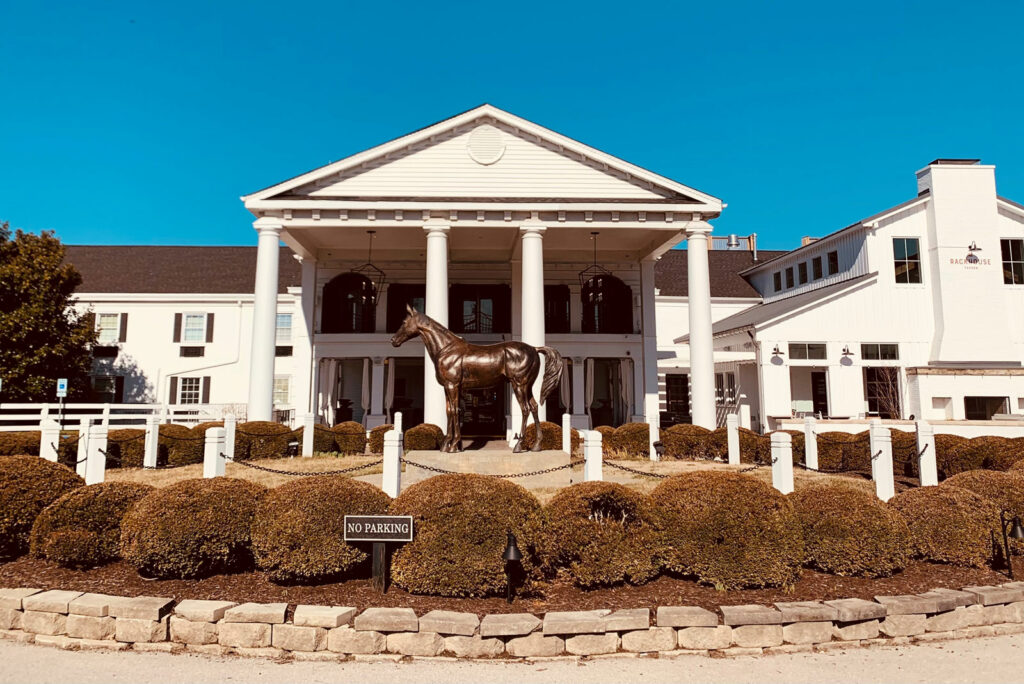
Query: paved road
point(998, 659)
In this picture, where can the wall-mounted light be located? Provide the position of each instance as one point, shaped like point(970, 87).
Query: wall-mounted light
point(846, 351)
point(776, 351)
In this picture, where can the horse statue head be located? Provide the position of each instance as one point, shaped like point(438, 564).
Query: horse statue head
point(411, 326)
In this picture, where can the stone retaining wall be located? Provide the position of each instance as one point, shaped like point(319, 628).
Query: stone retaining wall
point(74, 620)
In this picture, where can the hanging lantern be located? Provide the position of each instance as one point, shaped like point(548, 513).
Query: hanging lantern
point(593, 271)
point(371, 273)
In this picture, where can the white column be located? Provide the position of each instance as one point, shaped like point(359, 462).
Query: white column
point(567, 433)
point(230, 422)
point(213, 461)
point(593, 457)
point(810, 443)
point(377, 376)
point(83, 445)
point(515, 415)
point(649, 355)
point(702, 359)
point(580, 420)
point(96, 461)
point(732, 425)
point(391, 478)
point(436, 305)
point(926, 454)
point(880, 444)
point(49, 441)
point(745, 416)
point(782, 462)
point(302, 339)
point(264, 321)
point(151, 447)
point(308, 433)
point(532, 303)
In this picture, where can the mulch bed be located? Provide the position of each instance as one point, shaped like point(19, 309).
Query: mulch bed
point(120, 579)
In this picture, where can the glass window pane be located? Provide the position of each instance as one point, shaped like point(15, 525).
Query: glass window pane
point(803, 272)
point(833, 263)
point(816, 264)
point(816, 351)
point(869, 351)
point(195, 328)
point(797, 351)
point(789, 277)
point(912, 248)
point(913, 272)
point(778, 281)
point(899, 249)
point(889, 352)
point(1004, 248)
point(284, 328)
point(1018, 273)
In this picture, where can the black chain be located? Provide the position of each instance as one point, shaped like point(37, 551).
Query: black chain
point(182, 439)
point(510, 476)
point(829, 440)
point(273, 436)
point(659, 476)
point(754, 467)
point(339, 471)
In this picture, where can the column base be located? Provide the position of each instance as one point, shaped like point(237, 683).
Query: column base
point(373, 420)
point(580, 421)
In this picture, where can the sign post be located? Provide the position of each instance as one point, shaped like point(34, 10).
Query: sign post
point(62, 391)
point(381, 530)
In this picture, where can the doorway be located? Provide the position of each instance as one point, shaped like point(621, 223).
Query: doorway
point(483, 411)
point(809, 390)
point(819, 393)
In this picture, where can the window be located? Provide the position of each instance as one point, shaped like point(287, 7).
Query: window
point(109, 327)
point(191, 352)
point(880, 352)
point(882, 391)
point(1013, 261)
point(108, 389)
point(194, 329)
point(677, 398)
point(607, 305)
point(348, 305)
point(281, 391)
point(907, 258)
point(983, 408)
point(480, 309)
point(401, 295)
point(556, 308)
point(777, 279)
point(725, 388)
point(284, 328)
point(789, 277)
point(802, 271)
point(816, 267)
point(807, 350)
point(189, 390)
point(833, 262)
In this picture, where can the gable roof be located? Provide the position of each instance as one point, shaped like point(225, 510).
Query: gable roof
point(486, 113)
point(174, 269)
point(725, 266)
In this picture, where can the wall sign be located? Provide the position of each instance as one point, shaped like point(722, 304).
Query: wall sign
point(378, 528)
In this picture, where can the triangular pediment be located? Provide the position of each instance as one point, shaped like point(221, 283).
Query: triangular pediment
point(485, 154)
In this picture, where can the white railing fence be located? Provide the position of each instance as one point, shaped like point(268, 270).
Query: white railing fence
point(18, 417)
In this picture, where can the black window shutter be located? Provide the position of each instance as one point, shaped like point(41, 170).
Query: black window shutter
point(206, 385)
point(209, 328)
point(123, 333)
point(119, 388)
point(173, 398)
point(177, 328)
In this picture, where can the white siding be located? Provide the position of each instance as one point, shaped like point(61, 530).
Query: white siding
point(853, 263)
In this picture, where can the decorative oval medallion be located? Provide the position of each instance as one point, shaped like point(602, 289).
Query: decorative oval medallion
point(486, 144)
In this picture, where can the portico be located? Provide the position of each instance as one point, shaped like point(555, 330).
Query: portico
point(485, 222)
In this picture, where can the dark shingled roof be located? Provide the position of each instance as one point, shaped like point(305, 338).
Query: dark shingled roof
point(724, 266)
point(217, 270)
point(170, 269)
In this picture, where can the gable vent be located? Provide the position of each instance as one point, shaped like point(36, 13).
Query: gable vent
point(486, 144)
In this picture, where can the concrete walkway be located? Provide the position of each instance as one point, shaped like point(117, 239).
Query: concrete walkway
point(997, 659)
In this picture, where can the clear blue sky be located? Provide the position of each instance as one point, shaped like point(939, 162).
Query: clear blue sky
point(144, 122)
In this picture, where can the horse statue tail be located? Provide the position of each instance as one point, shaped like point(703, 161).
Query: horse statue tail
point(553, 363)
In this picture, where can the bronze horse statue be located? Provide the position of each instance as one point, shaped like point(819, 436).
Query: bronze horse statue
point(461, 365)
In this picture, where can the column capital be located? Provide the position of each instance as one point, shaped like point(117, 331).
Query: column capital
point(431, 226)
point(697, 229)
point(532, 229)
point(268, 224)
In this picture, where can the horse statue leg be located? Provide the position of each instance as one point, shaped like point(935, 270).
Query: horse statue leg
point(536, 420)
point(453, 435)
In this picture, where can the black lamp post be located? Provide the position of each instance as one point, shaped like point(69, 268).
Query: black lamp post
point(1016, 532)
point(659, 448)
point(293, 448)
point(511, 557)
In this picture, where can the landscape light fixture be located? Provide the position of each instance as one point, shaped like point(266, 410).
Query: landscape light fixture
point(1016, 532)
point(371, 272)
point(659, 448)
point(293, 448)
point(512, 556)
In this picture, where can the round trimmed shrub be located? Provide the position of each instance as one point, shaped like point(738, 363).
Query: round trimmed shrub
point(1004, 490)
point(1017, 467)
point(632, 440)
point(262, 439)
point(126, 448)
point(461, 523)
point(953, 455)
point(848, 532)
point(423, 437)
point(998, 453)
point(82, 529)
point(323, 439)
point(834, 449)
point(717, 442)
point(948, 524)
point(609, 446)
point(28, 484)
point(350, 437)
point(178, 445)
point(376, 441)
point(601, 534)
point(299, 528)
point(192, 528)
point(685, 442)
point(904, 453)
point(20, 443)
point(550, 436)
point(729, 530)
point(764, 448)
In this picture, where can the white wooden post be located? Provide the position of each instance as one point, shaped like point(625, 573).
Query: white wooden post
point(308, 431)
point(391, 478)
point(213, 461)
point(49, 441)
point(398, 422)
point(880, 445)
point(810, 443)
point(106, 414)
point(83, 445)
point(926, 464)
point(567, 433)
point(230, 422)
point(782, 462)
point(151, 446)
point(593, 459)
point(96, 462)
point(44, 413)
point(745, 422)
point(732, 425)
